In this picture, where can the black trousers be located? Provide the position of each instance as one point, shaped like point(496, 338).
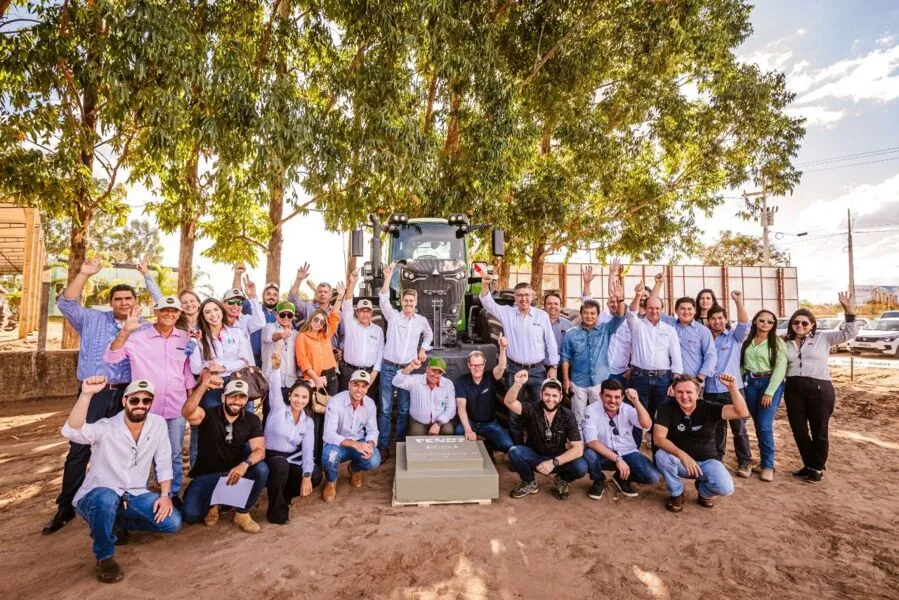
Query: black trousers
point(283, 484)
point(810, 404)
point(737, 426)
point(105, 403)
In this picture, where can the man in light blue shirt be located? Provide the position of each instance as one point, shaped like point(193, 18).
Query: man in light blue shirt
point(585, 357)
point(728, 345)
point(697, 348)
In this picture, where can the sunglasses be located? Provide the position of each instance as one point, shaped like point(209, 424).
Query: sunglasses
point(285, 315)
point(764, 321)
point(229, 433)
point(318, 320)
point(803, 323)
point(613, 426)
point(141, 401)
point(234, 302)
point(477, 365)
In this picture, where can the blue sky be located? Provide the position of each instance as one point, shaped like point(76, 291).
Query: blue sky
point(842, 60)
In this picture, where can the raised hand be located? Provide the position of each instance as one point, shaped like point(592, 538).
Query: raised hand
point(90, 266)
point(660, 276)
point(388, 270)
point(638, 289)
point(587, 273)
point(632, 396)
point(93, 384)
point(249, 287)
point(303, 272)
point(502, 341)
point(240, 268)
point(521, 377)
point(616, 289)
point(142, 267)
point(132, 323)
point(846, 302)
point(615, 267)
point(352, 279)
point(737, 295)
point(341, 290)
point(415, 363)
point(729, 381)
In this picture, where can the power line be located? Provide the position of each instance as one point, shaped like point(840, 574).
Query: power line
point(845, 157)
point(858, 164)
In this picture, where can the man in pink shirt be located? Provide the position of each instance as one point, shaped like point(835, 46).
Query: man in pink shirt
point(156, 353)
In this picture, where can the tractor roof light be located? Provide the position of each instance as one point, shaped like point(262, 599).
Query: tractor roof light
point(457, 219)
point(398, 218)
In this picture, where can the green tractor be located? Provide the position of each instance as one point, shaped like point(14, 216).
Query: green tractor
point(432, 258)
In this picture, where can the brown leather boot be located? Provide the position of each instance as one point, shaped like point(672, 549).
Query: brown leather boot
point(212, 517)
point(675, 503)
point(355, 477)
point(109, 571)
point(329, 492)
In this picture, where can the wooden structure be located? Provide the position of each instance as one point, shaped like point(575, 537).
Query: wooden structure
point(22, 253)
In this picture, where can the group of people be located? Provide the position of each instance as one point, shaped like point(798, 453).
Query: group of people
point(332, 383)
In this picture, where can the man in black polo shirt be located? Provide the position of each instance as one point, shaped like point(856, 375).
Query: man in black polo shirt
point(684, 438)
point(223, 434)
point(476, 401)
point(553, 439)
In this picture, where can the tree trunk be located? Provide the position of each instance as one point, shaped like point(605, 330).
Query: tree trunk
point(276, 242)
point(186, 254)
point(538, 257)
point(501, 270)
point(350, 259)
point(77, 253)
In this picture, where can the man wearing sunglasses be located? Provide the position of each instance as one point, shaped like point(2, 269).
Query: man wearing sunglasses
point(554, 443)
point(114, 498)
point(608, 427)
point(684, 438)
point(223, 435)
point(234, 300)
point(156, 353)
point(280, 338)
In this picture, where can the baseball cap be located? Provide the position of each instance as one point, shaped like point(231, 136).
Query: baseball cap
point(437, 363)
point(168, 302)
point(140, 385)
point(360, 375)
point(364, 304)
point(285, 305)
point(271, 284)
point(234, 293)
point(551, 382)
point(237, 386)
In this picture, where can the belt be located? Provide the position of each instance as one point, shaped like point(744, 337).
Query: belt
point(656, 373)
point(353, 367)
point(760, 374)
point(393, 364)
point(115, 386)
point(525, 366)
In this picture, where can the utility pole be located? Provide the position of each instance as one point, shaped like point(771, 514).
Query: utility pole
point(766, 219)
point(851, 258)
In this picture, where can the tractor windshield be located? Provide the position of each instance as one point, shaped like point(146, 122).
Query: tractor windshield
point(428, 240)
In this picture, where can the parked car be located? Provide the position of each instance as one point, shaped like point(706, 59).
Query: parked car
point(783, 324)
point(881, 335)
point(890, 314)
point(837, 324)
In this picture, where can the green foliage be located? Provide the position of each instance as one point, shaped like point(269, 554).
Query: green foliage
point(740, 249)
point(115, 238)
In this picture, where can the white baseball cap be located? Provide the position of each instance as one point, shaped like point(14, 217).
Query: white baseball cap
point(360, 375)
point(168, 302)
point(237, 386)
point(140, 385)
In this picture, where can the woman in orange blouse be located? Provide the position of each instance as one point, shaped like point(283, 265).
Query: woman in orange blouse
point(314, 352)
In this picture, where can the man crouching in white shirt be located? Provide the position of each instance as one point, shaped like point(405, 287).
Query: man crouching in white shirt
point(114, 498)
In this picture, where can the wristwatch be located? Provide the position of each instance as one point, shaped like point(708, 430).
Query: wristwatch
point(248, 462)
point(556, 462)
point(307, 475)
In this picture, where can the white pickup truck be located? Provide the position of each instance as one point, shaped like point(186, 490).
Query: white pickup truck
point(880, 336)
point(836, 324)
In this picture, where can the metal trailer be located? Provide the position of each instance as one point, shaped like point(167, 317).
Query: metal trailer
point(773, 288)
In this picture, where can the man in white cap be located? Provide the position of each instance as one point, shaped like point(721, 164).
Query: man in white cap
point(234, 301)
point(223, 434)
point(350, 434)
point(363, 342)
point(114, 498)
point(156, 353)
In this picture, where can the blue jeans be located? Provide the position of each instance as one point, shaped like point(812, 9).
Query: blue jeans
point(653, 392)
point(642, 470)
point(176, 439)
point(530, 392)
point(104, 510)
point(714, 481)
point(495, 436)
point(388, 372)
point(333, 456)
point(524, 460)
point(762, 417)
point(198, 495)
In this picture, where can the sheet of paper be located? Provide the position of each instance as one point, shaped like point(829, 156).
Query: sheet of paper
point(232, 495)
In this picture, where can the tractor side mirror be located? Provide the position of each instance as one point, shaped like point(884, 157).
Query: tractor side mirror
point(356, 243)
point(499, 242)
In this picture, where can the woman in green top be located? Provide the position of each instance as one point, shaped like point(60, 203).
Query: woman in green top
point(764, 362)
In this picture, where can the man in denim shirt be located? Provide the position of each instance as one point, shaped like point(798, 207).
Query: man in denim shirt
point(697, 348)
point(728, 345)
point(97, 328)
point(585, 354)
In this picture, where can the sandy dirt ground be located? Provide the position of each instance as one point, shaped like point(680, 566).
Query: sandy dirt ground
point(786, 539)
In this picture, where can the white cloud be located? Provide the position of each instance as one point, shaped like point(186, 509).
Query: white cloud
point(816, 114)
point(886, 39)
point(872, 76)
point(801, 31)
point(771, 57)
point(870, 203)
